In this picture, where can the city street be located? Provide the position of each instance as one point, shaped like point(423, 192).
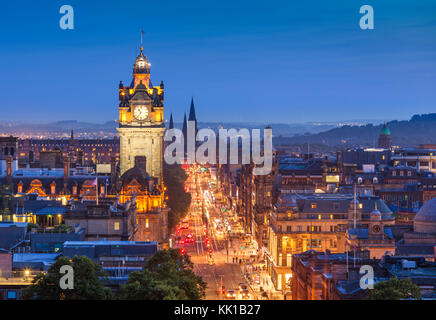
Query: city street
point(204, 236)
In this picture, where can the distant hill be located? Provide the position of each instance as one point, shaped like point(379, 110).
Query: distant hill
point(62, 129)
point(419, 129)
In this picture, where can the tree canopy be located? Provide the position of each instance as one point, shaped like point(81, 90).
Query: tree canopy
point(178, 199)
point(167, 275)
point(88, 282)
point(395, 289)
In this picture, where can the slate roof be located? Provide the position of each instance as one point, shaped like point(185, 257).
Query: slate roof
point(427, 213)
point(141, 93)
point(12, 233)
point(47, 180)
point(362, 233)
point(414, 249)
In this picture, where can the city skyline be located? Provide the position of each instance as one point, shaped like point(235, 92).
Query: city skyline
point(323, 62)
point(224, 151)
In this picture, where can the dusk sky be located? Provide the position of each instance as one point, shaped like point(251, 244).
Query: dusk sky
point(258, 61)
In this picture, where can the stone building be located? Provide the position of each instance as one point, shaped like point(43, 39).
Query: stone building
point(8, 152)
point(301, 222)
point(152, 213)
point(141, 124)
point(107, 220)
point(384, 139)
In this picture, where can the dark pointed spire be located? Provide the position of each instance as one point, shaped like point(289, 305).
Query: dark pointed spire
point(185, 125)
point(192, 116)
point(171, 125)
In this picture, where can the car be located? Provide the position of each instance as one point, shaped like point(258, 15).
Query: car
point(243, 286)
point(230, 294)
point(189, 238)
point(244, 294)
point(223, 289)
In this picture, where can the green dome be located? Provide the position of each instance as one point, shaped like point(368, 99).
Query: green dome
point(385, 130)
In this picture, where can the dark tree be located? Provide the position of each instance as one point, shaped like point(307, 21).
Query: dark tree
point(395, 289)
point(88, 282)
point(167, 275)
point(178, 200)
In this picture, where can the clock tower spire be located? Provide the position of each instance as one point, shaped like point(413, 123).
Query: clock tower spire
point(141, 124)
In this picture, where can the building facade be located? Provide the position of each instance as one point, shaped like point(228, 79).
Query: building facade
point(141, 125)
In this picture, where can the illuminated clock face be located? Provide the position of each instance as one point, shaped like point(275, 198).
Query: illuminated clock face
point(376, 229)
point(140, 112)
point(141, 63)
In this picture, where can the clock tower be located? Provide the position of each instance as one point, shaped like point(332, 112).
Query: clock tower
point(141, 127)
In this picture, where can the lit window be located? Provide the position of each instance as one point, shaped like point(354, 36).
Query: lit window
point(313, 205)
point(116, 226)
point(146, 223)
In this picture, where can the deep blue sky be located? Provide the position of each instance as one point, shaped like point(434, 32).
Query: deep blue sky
point(274, 61)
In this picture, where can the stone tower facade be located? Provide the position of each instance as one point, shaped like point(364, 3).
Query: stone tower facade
point(141, 124)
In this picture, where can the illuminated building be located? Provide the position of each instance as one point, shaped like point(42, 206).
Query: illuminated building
point(422, 159)
point(82, 152)
point(141, 129)
point(107, 220)
point(141, 126)
point(302, 222)
point(152, 213)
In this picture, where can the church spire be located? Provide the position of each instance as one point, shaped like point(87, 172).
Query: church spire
point(185, 125)
point(192, 116)
point(171, 125)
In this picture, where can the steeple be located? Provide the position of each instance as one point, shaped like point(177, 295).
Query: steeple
point(185, 125)
point(192, 116)
point(171, 125)
point(185, 133)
